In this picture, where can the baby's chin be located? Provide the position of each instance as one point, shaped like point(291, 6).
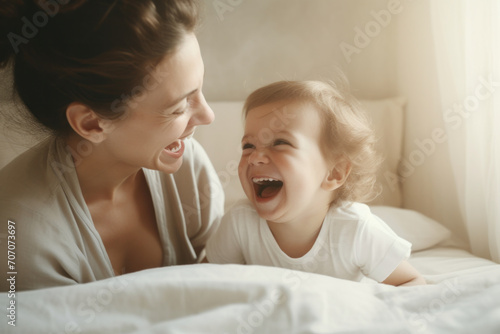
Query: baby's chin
point(276, 214)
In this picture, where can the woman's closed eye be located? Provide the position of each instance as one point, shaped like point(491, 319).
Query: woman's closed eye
point(179, 112)
point(183, 108)
point(168, 116)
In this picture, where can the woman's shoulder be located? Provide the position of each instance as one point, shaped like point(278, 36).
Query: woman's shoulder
point(45, 242)
point(29, 179)
point(33, 200)
point(25, 170)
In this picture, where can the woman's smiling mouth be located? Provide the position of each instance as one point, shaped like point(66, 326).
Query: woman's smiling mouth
point(176, 149)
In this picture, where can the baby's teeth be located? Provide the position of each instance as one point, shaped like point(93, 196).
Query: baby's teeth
point(262, 179)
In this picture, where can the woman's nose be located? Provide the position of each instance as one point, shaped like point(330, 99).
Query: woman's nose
point(258, 157)
point(203, 114)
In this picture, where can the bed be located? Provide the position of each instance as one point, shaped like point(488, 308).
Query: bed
point(207, 298)
point(462, 295)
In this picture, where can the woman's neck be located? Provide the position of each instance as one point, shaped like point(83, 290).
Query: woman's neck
point(101, 177)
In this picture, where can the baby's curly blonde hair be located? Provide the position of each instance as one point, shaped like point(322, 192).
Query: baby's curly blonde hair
point(346, 131)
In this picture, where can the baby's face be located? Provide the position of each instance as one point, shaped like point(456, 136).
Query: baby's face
point(282, 168)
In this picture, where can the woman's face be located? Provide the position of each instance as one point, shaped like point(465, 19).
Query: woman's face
point(164, 111)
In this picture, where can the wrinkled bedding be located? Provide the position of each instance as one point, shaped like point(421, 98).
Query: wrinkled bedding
point(463, 297)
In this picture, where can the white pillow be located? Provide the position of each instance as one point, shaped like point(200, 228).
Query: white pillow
point(222, 138)
point(422, 231)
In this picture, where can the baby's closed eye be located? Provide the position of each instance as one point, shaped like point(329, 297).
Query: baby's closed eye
point(281, 142)
point(246, 146)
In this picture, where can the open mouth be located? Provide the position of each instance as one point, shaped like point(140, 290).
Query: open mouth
point(266, 188)
point(176, 149)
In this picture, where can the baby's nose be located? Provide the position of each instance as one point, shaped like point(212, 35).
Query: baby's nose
point(258, 157)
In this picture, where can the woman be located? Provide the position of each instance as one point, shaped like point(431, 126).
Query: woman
point(120, 187)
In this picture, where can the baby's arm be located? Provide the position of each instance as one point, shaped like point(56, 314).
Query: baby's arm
point(405, 275)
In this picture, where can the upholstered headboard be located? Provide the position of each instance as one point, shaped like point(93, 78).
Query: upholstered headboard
point(222, 140)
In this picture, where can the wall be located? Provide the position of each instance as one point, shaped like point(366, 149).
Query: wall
point(246, 44)
point(428, 184)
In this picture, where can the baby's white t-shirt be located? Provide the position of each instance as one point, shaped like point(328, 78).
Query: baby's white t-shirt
point(352, 244)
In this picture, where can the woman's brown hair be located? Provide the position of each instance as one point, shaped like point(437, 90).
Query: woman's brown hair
point(88, 51)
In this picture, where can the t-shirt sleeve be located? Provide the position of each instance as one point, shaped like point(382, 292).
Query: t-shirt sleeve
point(224, 245)
point(378, 250)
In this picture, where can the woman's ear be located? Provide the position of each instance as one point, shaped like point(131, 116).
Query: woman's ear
point(85, 122)
point(337, 175)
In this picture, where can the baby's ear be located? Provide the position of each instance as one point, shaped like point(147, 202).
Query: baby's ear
point(337, 175)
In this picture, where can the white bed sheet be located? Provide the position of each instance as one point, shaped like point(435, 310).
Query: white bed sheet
point(210, 298)
point(440, 263)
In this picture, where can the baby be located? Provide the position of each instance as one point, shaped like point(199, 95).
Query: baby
point(308, 161)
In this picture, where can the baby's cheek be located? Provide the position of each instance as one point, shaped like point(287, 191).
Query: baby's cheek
point(242, 166)
point(242, 175)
